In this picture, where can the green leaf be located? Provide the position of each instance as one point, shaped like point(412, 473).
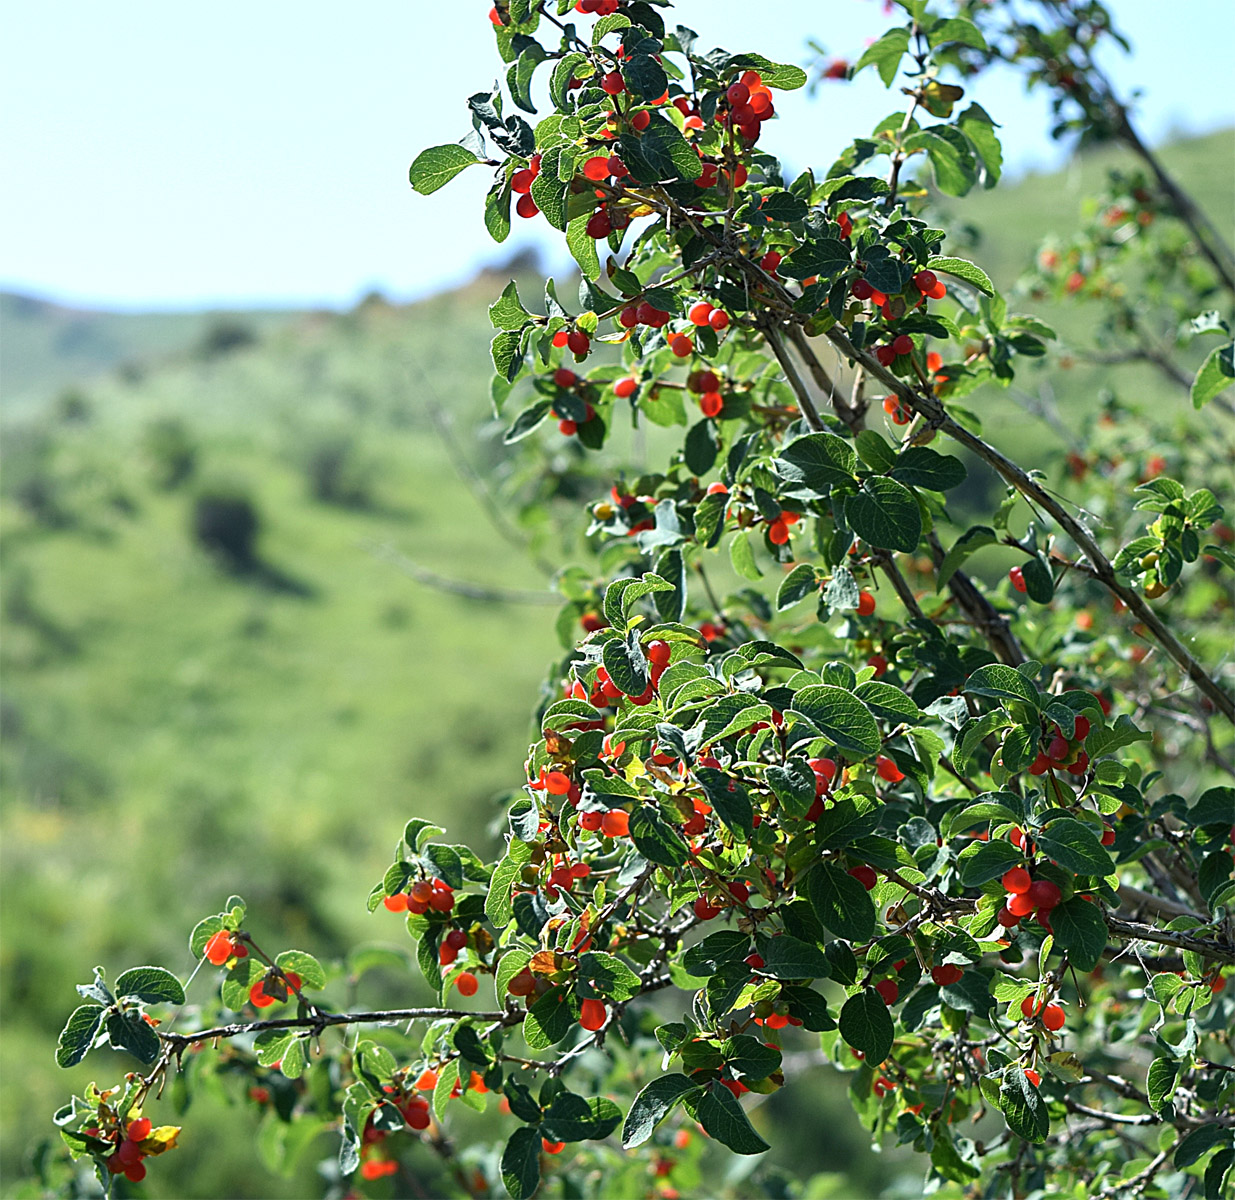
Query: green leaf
point(1215, 376)
point(507, 311)
point(656, 840)
point(724, 1119)
point(963, 269)
point(797, 585)
point(437, 166)
point(956, 29)
point(659, 153)
point(78, 1034)
point(155, 985)
point(582, 247)
point(842, 904)
point(920, 466)
point(866, 1024)
point(983, 861)
point(825, 257)
point(784, 76)
point(794, 785)
point(888, 703)
point(839, 716)
point(127, 1031)
point(521, 1163)
point(885, 54)
point(729, 799)
point(1003, 683)
point(548, 1021)
point(1075, 846)
point(748, 1056)
point(312, 977)
point(787, 957)
point(742, 557)
point(627, 667)
point(1039, 582)
point(969, 541)
point(950, 155)
point(1160, 1081)
point(608, 975)
point(818, 461)
point(572, 1118)
point(652, 1105)
point(1023, 1107)
point(507, 360)
point(1080, 930)
point(846, 820)
point(885, 514)
point(498, 904)
point(977, 126)
point(1198, 1142)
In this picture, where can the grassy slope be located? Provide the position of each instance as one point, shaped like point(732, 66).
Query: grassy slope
point(196, 734)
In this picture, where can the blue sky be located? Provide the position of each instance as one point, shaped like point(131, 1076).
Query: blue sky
point(171, 155)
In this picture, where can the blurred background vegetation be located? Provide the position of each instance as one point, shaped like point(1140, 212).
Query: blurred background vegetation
point(217, 679)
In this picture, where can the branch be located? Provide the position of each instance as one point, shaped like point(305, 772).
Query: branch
point(459, 587)
point(324, 1020)
point(937, 417)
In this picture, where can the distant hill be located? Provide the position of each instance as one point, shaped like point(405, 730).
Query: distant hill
point(45, 346)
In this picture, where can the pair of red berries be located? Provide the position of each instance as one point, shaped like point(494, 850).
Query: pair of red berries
point(224, 945)
point(452, 943)
point(1052, 1016)
point(896, 348)
point(778, 530)
point(702, 313)
point(576, 339)
point(930, 285)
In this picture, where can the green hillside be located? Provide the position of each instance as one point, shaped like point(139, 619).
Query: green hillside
point(177, 727)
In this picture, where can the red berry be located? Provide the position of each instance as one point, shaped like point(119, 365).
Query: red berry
point(599, 225)
point(559, 338)
point(421, 891)
point(596, 168)
point(1082, 729)
point(136, 1173)
point(1108, 836)
point(770, 261)
point(442, 900)
point(219, 948)
point(446, 954)
point(613, 83)
point(718, 319)
point(521, 181)
point(866, 604)
point(681, 345)
point(925, 281)
point(1033, 1076)
point(625, 386)
point(591, 820)
point(700, 312)
point(705, 911)
point(947, 974)
point(1052, 1017)
point(703, 381)
point(658, 652)
point(1030, 1009)
point(615, 823)
point(778, 533)
point(861, 290)
point(1039, 765)
point(1019, 904)
point(396, 903)
point(866, 876)
point(628, 318)
point(1018, 578)
point(717, 489)
point(887, 770)
point(889, 990)
point(139, 1129)
point(1007, 918)
point(738, 93)
point(552, 1147)
point(565, 378)
point(1016, 880)
point(578, 341)
point(525, 206)
point(467, 984)
point(640, 120)
point(886, 355)
point(711, 404)
point(457, 939)
point(592, 1014)
point(1044, 894)
point(903, 344)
